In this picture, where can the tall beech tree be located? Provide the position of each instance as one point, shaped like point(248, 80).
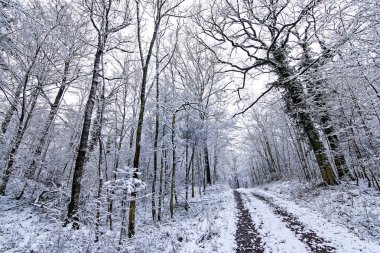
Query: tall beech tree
point(68, 35)
point(100, 15)
point(161, 10)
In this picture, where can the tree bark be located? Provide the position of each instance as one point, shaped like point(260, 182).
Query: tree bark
point(207, 165)
point(53, 111)
point(160, 190)
point(20, 88)
point(100, 187)
point(187, 170)
point(172, 185)
point(72, 212)
point(304, 118)
point(11, 110)
point(297, 107)
point(101, 108)
point(21, 128)
point(145, 67)
point(193, 175)
point(155, 144)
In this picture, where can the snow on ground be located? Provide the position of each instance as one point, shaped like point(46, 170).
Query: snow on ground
point(347, 216)
point(275, 236)
point(28, 228)
point(338, 214)
point(216, 231)
point(209, 226)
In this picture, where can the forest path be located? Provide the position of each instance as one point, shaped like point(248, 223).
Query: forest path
point(315, 243)
point(248, 239)
point(267, 223)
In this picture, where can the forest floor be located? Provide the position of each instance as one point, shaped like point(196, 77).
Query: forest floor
point(282, 217)
point(207, 226)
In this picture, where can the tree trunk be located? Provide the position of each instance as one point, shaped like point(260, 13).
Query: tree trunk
point(304, 118)
point(192, 176)
point(328, 130)
point(11, 110)
point(136, 160)
point(160, 191)
point(72, 212)
point(53, 111)
point(299, 151)
point(19, 89)
point(172, 185)
point(297, 107)
point(199, 171)
point(145, 67)
point(155, 144)
point(161, 186)
point(100, 187)
point(101, 108)
point(319, 96)
point(215, 163)
point(187, 169)
point(207, 164)
point(22, 126)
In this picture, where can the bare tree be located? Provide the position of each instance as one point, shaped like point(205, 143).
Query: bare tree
point(264, 37)
point(100, 15)
point(32, 60)
point(162, 11)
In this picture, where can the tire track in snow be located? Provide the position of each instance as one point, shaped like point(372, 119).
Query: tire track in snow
point(248, 240)
point(309, 237)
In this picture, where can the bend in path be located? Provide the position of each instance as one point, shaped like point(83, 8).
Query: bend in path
point(248, 239)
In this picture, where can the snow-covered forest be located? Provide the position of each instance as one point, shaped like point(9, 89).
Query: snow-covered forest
point(190, 126)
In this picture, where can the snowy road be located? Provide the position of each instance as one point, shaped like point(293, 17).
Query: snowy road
point(247, 237)
point(266, 223)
